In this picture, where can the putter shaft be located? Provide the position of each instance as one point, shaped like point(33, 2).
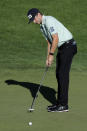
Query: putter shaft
point(41, 82)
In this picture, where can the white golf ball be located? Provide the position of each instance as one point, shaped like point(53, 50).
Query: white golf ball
point(30, 123)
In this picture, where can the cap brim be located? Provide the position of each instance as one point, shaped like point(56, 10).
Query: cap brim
point(31, 20)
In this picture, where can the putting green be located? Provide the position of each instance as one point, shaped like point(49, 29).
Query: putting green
point(16, 98)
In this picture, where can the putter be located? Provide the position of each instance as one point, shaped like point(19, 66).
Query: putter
point(31, 109)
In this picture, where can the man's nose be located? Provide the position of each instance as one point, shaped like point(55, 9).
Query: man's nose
point(34, 21)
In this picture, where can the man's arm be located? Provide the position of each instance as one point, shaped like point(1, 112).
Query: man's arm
point(48, 48)
point(54, 43)
point(51, 49)
point(48, 51)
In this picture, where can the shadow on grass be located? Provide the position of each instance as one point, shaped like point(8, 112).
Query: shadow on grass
point(47, 92)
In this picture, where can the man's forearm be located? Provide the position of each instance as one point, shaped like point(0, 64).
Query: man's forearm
point(54, 44)
point(48, 48)
point(52, 47)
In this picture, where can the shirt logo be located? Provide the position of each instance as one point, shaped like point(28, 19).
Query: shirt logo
point(51, 29)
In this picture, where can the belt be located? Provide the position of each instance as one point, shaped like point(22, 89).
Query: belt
point(67, 43)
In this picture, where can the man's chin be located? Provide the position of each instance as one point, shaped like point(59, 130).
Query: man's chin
point(38, 23)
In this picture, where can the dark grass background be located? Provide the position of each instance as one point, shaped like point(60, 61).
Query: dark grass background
point(22, 46)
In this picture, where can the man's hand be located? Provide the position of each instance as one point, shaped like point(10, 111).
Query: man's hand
point(49, 61)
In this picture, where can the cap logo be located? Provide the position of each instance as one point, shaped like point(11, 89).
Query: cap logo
point(30, 16)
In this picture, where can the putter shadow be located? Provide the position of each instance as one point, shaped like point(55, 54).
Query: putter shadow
point(47, 92)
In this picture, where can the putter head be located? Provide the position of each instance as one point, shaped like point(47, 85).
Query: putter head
point(30, 109)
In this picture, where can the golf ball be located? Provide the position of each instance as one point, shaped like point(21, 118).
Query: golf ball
point(30, 123)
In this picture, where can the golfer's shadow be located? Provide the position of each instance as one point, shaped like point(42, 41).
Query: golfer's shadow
point(47, 92)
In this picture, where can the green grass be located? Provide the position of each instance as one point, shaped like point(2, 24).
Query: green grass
point(15, 100)
point(21, 44)
point(22, 59)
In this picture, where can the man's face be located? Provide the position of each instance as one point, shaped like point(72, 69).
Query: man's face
point(38, 19)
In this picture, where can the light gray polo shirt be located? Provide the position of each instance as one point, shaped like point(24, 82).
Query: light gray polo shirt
point(50, 26)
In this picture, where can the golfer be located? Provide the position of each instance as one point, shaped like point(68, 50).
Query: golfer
point(57, 36)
